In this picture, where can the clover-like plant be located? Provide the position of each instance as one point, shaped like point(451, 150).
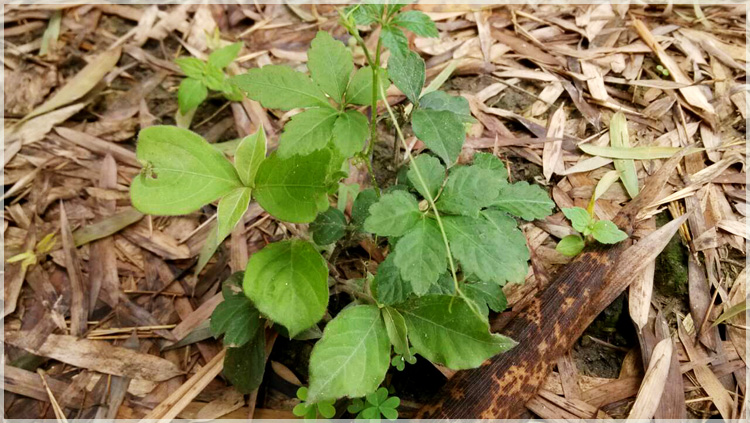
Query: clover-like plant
point(450, 227)
point(376, 405)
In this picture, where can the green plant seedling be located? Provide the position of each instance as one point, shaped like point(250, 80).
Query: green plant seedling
point(376, 405)
point(603, 231)
point(205, 75)
point(311, 410)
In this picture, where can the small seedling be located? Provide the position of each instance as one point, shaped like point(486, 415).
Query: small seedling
point(376, 405)
point(309, 410)
point(662, 70)
point(603, 231)
point(205, 75)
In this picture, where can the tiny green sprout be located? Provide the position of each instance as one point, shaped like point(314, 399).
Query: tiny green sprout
point(664, 71)
point(308, 410)
point(375, 406)
point(399, 362)
point(603, 231)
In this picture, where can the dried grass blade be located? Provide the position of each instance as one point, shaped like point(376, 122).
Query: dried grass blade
point(552, 154)
point(652, 387)
point(79, 309)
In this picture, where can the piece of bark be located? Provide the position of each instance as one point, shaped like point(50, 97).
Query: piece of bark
point(79, 300)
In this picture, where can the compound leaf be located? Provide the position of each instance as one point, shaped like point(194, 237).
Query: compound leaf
point(291, 189)
point(352, 357)
point(349, 132)
point(248, 156)
point(330, 64)
point(491, 246)
point(432, 171)
point(407, 71)
point(526, 201)
point(468, 189)
point(441, 131)
point(182, 172)
point(328, 227)
point(445, 330)
point(307, 131)
point(393, 215)
point(288, 282)
point(420, 255)
point(417, 22)
point(236, 318)
point(280, 87)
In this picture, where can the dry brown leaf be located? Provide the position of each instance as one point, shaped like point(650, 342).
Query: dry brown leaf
point(552, 154)
point(652, 387)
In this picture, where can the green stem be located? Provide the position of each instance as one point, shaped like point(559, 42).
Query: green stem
point(431, 201)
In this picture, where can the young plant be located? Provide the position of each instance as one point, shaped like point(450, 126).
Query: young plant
point(584, 222)
point(311, 410)
point(452, 229)
point(205, 75)
point(375, 405)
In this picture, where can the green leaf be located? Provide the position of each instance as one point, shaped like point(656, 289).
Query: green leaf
point(468, 189)
point(441, 131)
point(407, 71)
point(330, 64)
point(490, 247)
point(365, 14)
point(222, 57)
point(395, 325)
point(191, 94)
point(394, 40)
point(230, 211)
point(526, 201)
point(634, 153)
point(244, 366)
point(440, 100)
point(360, 87)
point(215, 79)
point(352, 357)
point(389, 287)
point(350, 132)
point(420, 255)
point(731, 312)
point(618, 137)
point(192, 67)
point(491, 162)
point(432, 171)
point(486, 295)
point(607, 232)
point(280, 87)
point(393, 215)
point(288, 282)
point(570, 245)
point(182, 172)
point(417, 22)
point(236, 318)
point(579, 218)
point(291, 189)
point(248, 156)
point(361, 206)
point(445, 330)
point(307, 131)
point(328, 227)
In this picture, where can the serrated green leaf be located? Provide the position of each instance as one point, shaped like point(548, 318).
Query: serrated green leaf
point(570, 245)
point(394, 40)
point(607, 232)
point(192, 67)
point(579, 218)
point(291, 189)
point(328, 227)
point(420, 255)
point(468, 189)
point(441, 131)
point(352, 357)
point(191, 94)
point(236, 318)
point(388, 286)
point(248, 156)
point(445, 330)
point(222, 57)
point(288, 282)
point(330, 64)
point(407, 71)
point(440, 100)
point(365, 14)
point(490, 246)
point(444, 285)
point(307, 131)
point(350, 132)
point(230, 211)
point(395, 326)
point(360, 87)
point(432, 171)
point(417, 22)
point(393, 215)
point(526, 201)
point(182, 172)
point(487, 295)
point(491, 162)
point(280, 87)
point(244, 366)
point(361, 206)
point(618, 137)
